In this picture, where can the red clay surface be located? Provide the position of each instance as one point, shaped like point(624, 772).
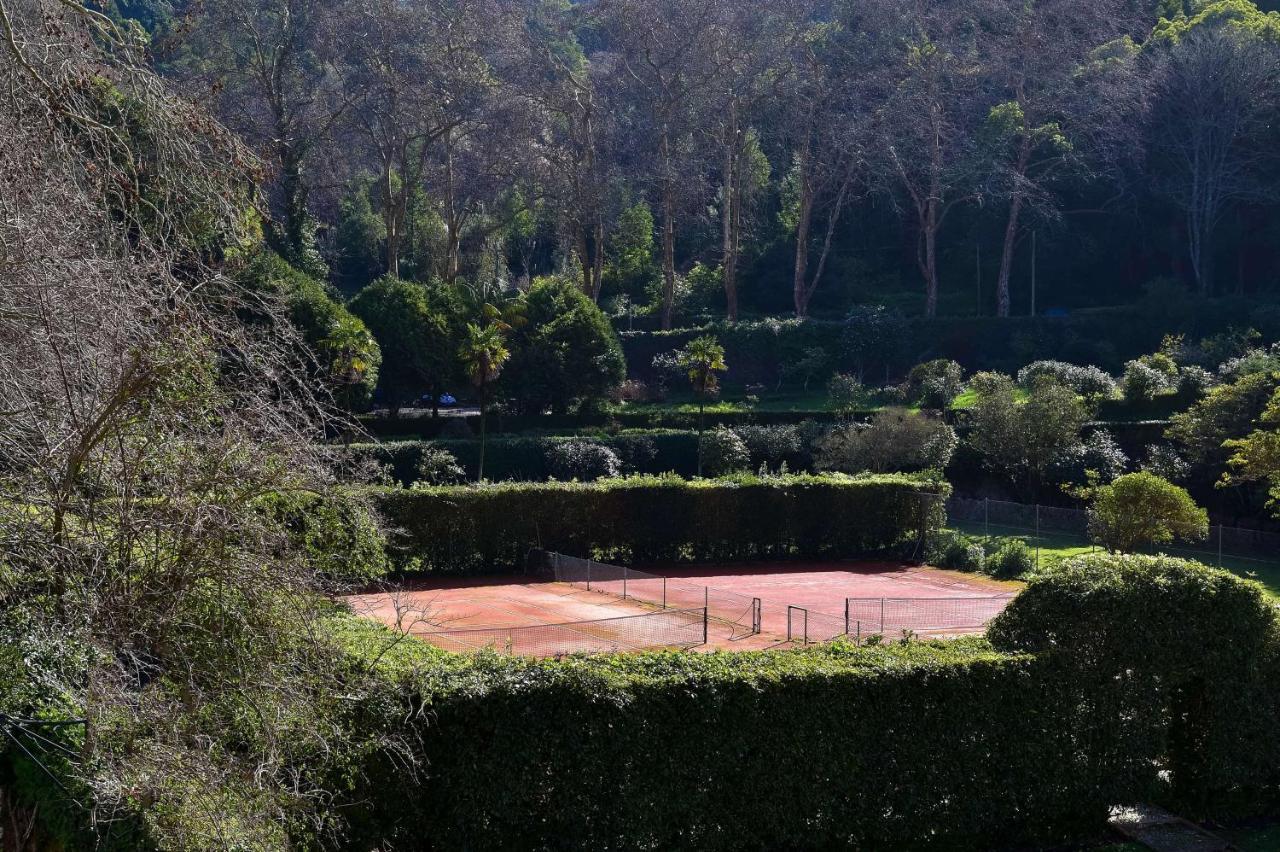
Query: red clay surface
point(450, 604)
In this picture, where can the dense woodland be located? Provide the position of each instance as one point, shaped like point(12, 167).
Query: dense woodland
point(727, 159)
point(713, 281)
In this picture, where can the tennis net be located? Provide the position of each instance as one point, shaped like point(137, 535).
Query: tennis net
point(741, 612)
point(866, 616)
point(672, 628)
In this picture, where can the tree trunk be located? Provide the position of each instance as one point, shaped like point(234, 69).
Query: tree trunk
point(804, 222)
point(293, 186)
point(1011, 230)
point(931, 263)
point(453, 222)
point(668, 233)
point(597, 264)
point(391, 221)
point(729, 214)
point(483, 430)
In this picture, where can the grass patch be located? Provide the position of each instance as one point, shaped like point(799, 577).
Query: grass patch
point(1056, 546)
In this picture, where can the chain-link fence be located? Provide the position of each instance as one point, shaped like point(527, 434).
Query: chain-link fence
point(740, 612)
point(1055, 532)
point(671, 628)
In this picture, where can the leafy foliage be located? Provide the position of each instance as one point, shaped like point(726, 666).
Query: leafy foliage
point(657, 519)
point(1141, 509)
point(582, 460)
point(564, 353)
point(896, 440)
point(721, 452)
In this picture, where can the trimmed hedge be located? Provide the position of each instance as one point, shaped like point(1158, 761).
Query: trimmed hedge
point(1178, 667)
point(1115, 679)
point(478, 529)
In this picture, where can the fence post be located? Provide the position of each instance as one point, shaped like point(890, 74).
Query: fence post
point(706, 598)
point(846, 616)
point(704, 625)
point(806, 627)
point(664, 592)
point(858, 641)
point(624, 582)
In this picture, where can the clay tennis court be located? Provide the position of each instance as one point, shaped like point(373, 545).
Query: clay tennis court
point(544, 617)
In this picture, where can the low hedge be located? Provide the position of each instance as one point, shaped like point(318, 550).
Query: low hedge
point(476, 529)
point(426, 428)
point(525, 458)
point(1115, 679)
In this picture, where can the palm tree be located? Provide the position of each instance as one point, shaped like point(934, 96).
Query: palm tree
point(702, 358)
point(484, 353)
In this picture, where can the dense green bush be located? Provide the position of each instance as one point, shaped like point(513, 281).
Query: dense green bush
point(897, 747)
point(563, 353)
point(896, 440)
point(1086, 381)
point(721, 452)
point(935, 384)
point(339, 536)
point(1012, 560)
point(1176, 666)
point(657, 519)
point(582, 460)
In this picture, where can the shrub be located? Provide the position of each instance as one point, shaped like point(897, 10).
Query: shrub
point(721, 452)
point(845, 394)
point(1012, 560)
point(1089, 382)
point(437, 466)
point(1098, 454)
point(935, 384)
point(1175, 711)
point(896, 440)
point(338, 536)
point(1142, 509)
point(474, 529)
point(958, 552)
point(1149, 376)
point(582, 460)
point(774, 446)
point(1194, 382)
point(564, 352)
point(874, 337)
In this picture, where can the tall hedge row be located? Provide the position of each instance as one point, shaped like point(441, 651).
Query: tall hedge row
point(474, 529)
point(1120, 679)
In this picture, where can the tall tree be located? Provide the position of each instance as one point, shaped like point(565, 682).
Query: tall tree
point(1213, 118)
point(928, 126)
point(420, 73)
point(1047, 121)
point(273, 70)
point(663, 66)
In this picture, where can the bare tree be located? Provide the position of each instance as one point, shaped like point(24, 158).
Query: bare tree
point(1214, 104)
point(929, 125)
point(1046, 124)
point(664, 67)
point(144, 424)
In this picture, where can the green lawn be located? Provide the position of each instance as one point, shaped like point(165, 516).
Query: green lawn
point(1054, 547)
